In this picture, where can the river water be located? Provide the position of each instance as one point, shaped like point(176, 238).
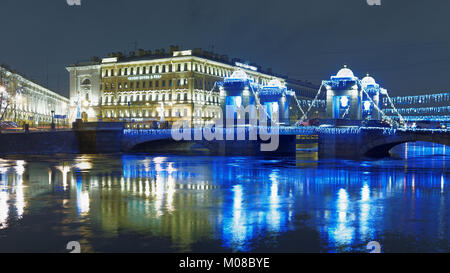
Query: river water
point(172, 203)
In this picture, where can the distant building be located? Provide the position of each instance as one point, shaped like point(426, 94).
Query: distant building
point(26, 102)
point(159, 86)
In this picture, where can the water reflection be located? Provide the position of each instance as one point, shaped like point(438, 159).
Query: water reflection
point(195, 203)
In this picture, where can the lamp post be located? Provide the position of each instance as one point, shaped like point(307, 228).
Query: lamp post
point(53, 120)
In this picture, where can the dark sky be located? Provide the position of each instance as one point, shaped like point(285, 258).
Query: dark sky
point(404, 44)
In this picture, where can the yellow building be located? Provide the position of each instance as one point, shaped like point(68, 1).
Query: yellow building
point(160, 86)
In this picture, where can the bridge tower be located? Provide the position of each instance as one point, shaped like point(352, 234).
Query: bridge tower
point(237, 91)
point(343, 96)
point(275, 97)
point(370, 98)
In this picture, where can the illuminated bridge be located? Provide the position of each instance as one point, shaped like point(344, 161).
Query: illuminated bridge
point(350, 142)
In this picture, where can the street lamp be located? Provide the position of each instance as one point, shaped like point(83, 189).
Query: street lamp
point(53, 119)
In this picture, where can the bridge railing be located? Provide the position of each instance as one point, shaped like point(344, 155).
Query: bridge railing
point(284, 130)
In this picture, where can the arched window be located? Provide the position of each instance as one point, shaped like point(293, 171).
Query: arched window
point(86, 82)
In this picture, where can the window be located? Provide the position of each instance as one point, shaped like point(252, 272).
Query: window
point(150, 69)
point(150, 84)
point(157, 69)
point(185, 67)
point(163, 83)
point(143, 84)
point(163, 69)
point(138, 71)
point(179, 67)
point(132, 85)
point(170, 67)
point(170, 82)
point(86, 82)
point(112, 72)
point(120, 71)
point(126, 71)
point(132, 71)
point(156, 83)
point(137, 85)
point(144, 70)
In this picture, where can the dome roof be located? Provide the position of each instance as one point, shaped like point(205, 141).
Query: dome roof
point(239, 74)
point(345, 73)
point(275, 83)
point(366, 81)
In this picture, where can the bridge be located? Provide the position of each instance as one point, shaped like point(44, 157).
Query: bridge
point(351, 142)
point(109, 137)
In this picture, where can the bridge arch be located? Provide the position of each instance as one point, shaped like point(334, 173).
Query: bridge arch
point(381, 147)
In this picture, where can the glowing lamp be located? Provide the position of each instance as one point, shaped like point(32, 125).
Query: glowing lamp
point(344, 101)
point(274, 107)
point(367, 105)
point(238, 101)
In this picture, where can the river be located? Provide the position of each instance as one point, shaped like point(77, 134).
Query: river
point(173, 203)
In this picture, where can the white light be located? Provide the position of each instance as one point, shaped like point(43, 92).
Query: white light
point(344, 101)
point(367, 105)
point(109, 60)
point(238, 101)
point(182, 53)
point(274, 107)
point(2, 89)
point(246, 66)
point(145, 77)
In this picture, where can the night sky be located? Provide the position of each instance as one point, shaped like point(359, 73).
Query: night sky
point(403, 44)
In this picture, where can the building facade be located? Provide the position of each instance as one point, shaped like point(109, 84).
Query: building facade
point(25, 102)
point(159, 87)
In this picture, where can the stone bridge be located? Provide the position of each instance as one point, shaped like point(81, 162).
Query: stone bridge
point(349, 142)
point(346, 142)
